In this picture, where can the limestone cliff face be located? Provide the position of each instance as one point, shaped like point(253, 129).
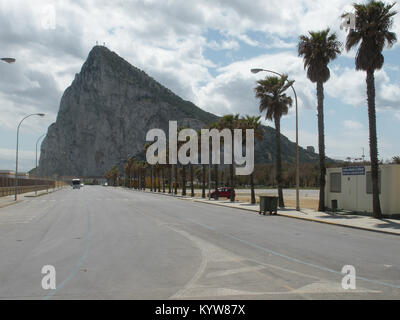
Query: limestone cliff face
point(108, 109)
point(105, 114)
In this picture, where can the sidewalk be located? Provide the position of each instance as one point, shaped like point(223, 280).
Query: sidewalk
point(9, 200)
point(390, 226)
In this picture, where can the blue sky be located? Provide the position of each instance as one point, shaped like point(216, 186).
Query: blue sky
point(201, 50)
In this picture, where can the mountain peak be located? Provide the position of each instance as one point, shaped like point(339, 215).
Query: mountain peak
point(105, 114)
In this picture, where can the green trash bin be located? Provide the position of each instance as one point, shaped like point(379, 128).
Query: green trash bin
point(268, 203)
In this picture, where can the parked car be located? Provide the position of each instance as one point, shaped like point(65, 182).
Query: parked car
point(224, 192)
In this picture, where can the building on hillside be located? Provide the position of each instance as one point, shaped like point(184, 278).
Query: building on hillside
point(11, 174)
point(311, 149)
point(351, 189)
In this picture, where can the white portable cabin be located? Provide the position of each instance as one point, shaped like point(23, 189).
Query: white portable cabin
point(351, 189)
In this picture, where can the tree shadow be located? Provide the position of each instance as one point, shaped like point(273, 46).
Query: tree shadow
point(388, 224)
point(336, 216)
point(248, 204)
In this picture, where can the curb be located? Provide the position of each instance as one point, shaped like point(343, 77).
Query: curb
point(339, 224)
point(302, 218)
point(28, 197)
point(10, 204)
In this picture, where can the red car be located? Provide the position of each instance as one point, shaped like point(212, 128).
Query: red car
point(224, 192)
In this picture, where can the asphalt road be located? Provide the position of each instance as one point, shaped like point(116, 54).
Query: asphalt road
point(108, 243)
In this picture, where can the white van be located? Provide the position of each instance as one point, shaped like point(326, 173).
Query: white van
point(76, 184)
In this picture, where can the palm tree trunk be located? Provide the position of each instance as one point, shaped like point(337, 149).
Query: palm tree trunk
point(191, 181)
point(159, 179)
point(140, 178)
point(203, 187)
point(216, 181)
point(170, 179)
point(152, 179)
point(279, 161)
point(176, 179)
point(232, 182)
point(321, 146)
point(373, 145)
point(136, 179)
point(183, 180)
point(163, 179)
point(144, 175)
point(253, 196)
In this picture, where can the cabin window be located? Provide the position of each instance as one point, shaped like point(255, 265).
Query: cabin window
point(336, 182)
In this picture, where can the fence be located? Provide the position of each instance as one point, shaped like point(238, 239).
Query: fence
point(26, 185)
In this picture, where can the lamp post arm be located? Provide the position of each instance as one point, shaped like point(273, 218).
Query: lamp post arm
point(16, 156)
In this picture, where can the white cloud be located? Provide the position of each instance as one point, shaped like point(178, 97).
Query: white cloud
point(353, 125)
point(224, 45)
point(349, 86)
point(231, 91)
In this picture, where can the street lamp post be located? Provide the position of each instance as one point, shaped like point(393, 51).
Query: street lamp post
point(297, 137)
point(36, 167)
point(16, 160)
point(209, 176)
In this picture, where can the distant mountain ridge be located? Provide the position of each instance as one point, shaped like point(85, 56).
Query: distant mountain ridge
point(106, 112)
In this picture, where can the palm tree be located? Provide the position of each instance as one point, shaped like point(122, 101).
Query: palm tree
point(276, 103)
point(168, 167)
point(216, 169)
point(230, 122)
point(204, 168)
point(111, 175)
point(163, 177)
point(183, 180)
point(249, 122)
point(176, 180)
point(152, 187)
point(144, 174)
point(140, 174)
point(373, 21)
point(191, 179)
point(203, 181)
point(215, 125)
point(129, 167)
point(183, 171)
point(170, 178)
point(180, 143)
point(158, 166)
point(318, 49)
point(127, 170)
point(396, 160)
